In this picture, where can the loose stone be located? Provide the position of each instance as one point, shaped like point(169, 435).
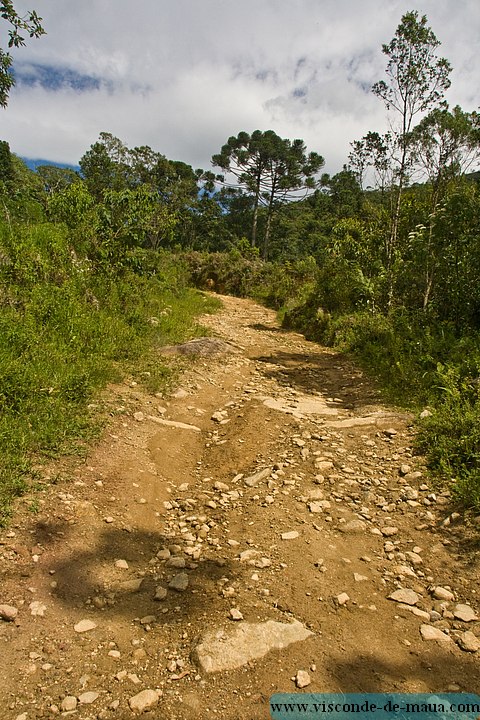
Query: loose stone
point(352, 527)
point(302, 679)
point(428, 632)
point(440, 593)
point(88, 698)
point(145, 700)
point(8, 613)
point(404, 595)
point(160, 593)
point(84, 626)
point(465, 613)
point(221, 650)
point(290, 535)
point(469, 642)
point(179, 582)
point(389, 531)
point(121, 564)
point(69, 703)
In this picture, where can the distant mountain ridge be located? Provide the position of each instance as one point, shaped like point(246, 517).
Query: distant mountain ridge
point(33, 163)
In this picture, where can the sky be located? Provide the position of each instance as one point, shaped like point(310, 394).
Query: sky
point(184, 75)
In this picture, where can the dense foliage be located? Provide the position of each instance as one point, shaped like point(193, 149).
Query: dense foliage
point(382, 259)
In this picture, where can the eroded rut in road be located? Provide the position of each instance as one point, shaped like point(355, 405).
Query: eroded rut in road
point(240, 538)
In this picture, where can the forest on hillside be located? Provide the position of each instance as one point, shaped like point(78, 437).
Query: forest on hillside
point(381, 260)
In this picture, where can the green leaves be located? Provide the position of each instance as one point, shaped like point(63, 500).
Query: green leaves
point(271, 169)
point(30, 23)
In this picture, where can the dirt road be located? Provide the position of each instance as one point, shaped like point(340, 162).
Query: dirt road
point(240, 538)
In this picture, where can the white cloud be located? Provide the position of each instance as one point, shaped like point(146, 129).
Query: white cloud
point(183, 76)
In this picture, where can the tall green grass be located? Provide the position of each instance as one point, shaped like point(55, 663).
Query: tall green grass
point(67, 329)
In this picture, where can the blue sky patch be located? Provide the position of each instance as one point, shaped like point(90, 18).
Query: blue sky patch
point(54, 78)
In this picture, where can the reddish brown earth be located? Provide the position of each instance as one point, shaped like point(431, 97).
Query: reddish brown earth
point(332, 454)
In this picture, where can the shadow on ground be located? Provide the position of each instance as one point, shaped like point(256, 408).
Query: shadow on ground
point(432, 671)
point(84, 573)
point(328, 373)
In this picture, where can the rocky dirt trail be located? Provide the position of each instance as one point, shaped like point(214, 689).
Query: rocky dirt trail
point(267, 528)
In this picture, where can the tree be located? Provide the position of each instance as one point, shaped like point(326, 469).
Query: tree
point(29, 23)
point(416, 82)
point(445, 145)
point(56, 178)
point(271, 169)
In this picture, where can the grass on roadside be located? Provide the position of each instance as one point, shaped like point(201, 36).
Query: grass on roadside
point(66, 331)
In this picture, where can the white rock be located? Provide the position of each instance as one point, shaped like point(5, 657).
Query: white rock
point(221, 650)
point(235, 614)
point(37, 608)
point(302, 679)
point(342, 599)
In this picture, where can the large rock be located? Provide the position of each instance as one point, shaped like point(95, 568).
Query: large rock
point(143, 701)
point(8, 613)
point(405, 596)
point(465, 613)
point(428, 632)
point(231, 648)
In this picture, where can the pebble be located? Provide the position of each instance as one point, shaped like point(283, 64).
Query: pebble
point(163, 554)
point(37, 608)
point(160, 593)
point(292, 535)
point(143, 701)
point(342, 599)
point(176, 562)
point(69, 703)
point(84, 626)
point(235, 614)
point(87, 698)
point(302, 679)
point(441, 593)
point(389, 531)
point(415, 611)
point(121, 564)
point(352, 527)
point(179, 582)
point(8, 613)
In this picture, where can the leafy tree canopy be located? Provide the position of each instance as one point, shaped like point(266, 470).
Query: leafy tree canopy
point(29, 24)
